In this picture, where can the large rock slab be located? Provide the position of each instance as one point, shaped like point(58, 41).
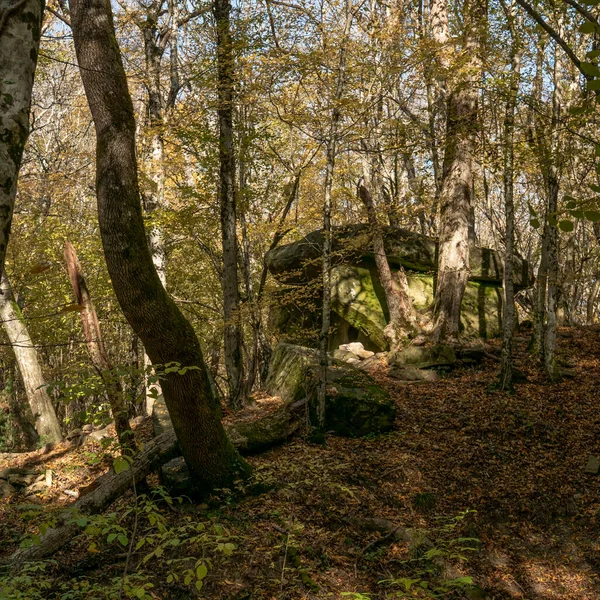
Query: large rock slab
point(357, 297)
point(425, 357)
point(300, 262)
point(354, 406)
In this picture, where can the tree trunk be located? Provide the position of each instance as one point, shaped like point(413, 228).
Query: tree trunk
point(20, 31)
point(26, 354)
point(395, 286)
point(95, 346)
point(154, 317)
point(591, 301)
point(552, 288)
point(231, 301)
point(457, 181)
point(508, 317)
point(331, 150)
point(548, 149)
point(154, 196)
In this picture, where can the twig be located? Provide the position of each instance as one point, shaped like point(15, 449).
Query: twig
point(287, 541)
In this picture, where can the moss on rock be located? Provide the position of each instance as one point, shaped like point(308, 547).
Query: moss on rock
point(355, 404)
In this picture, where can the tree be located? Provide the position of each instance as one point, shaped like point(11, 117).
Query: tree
point(457, 178)
point(227, 198)
point(395, 285)
point(331, 150)
point(95, 345)
point(44, 415)
point(166, 334)
point(20, 31)
point(508, 324)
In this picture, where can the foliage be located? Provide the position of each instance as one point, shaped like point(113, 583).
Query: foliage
point(426, 571)
point(182, 553)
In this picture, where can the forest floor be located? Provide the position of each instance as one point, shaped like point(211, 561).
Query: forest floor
point(463, 462)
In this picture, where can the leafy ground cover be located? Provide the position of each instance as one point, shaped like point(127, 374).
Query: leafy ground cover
point(492, 488)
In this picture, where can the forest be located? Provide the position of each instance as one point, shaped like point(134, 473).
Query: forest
point(299, 299)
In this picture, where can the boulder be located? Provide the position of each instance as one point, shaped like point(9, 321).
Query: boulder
point(6, 490)
point(358, 298)
point(355, 404)
point(345, 356)
point(425, 357)
point(358, 349)
point(300, 262)
point(409, 373)
point(358, 305)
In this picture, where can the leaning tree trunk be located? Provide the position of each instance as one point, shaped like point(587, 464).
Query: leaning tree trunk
point(97, 352)
point(26, 354)
point(167, 336)
point(508, 322)
point(20, 31)
point(402, 319)
point(231, 301)
point(457, 181)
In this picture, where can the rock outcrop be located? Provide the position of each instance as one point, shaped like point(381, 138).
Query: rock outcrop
point(354, 405)
point(357, 298)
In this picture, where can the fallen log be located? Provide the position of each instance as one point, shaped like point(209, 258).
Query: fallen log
point(249, 437)
point(109, 487)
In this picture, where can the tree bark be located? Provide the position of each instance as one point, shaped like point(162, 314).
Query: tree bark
point(154, 196)
point(331, 150)
point(26, 354)
point(234, 364)
point(508, 318)
point(20, 32)
point(95, 346)
point(457, 181)
point(591, 301)
point(167, 336)
point(395, 286)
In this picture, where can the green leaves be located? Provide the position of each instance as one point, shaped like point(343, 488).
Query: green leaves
point(593, 86)
point(201, 571)
point(566, 225)
point(120, 464)
point(589, 68)
point(587, 27)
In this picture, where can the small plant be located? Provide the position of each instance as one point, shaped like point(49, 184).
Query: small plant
point(424, 501)
point(425, 573)
point(181, 554)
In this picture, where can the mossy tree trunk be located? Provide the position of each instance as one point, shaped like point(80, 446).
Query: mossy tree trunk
point(457, 178)
point(20, 32)
point(166, 334)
